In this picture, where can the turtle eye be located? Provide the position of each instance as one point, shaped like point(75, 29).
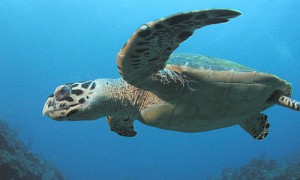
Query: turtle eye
point(62, 92)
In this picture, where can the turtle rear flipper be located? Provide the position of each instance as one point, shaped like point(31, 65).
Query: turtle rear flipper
point(142, 59)
point(283, 98)
point(121, 125)
point(289, 103)
point(258, 128)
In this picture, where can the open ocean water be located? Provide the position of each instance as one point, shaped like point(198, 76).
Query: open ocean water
point(45, 43)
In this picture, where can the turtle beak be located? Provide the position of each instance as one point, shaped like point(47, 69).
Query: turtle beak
point(59, 110)
point(54, 109)
point(49, 106)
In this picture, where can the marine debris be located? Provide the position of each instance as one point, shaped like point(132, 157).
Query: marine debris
point(17, 162)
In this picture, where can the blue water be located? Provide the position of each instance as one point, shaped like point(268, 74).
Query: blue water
point(45, 43)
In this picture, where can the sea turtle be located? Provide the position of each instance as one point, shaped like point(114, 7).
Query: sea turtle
point(181, 92)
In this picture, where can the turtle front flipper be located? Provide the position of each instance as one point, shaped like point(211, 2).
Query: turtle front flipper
point(142, 59)
point(121, 125)
point(258, 127)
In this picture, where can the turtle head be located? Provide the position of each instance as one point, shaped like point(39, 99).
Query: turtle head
point(73, 101)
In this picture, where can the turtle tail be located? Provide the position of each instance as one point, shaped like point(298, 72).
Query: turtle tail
point(288, 102)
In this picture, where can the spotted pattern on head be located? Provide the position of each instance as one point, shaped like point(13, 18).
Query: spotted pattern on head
point(66, 99)
point(148, 49)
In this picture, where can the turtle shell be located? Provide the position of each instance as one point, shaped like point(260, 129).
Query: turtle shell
point(221, 93)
